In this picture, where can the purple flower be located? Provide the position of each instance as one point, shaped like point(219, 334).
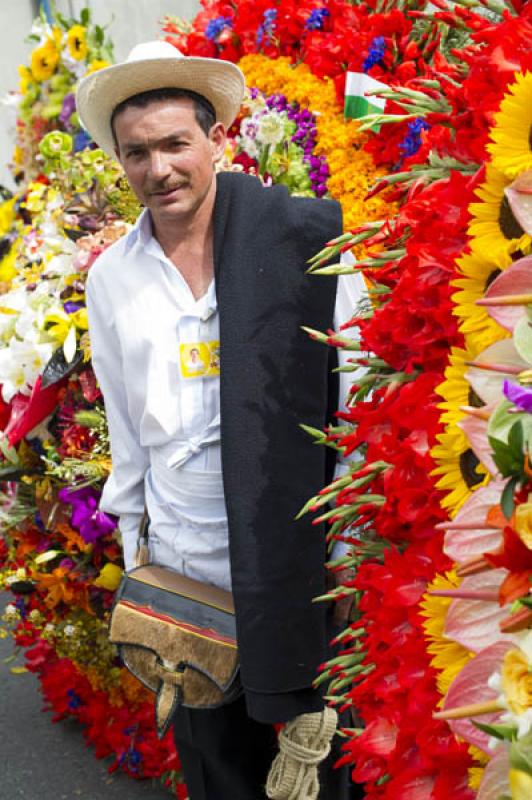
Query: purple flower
point(412, 141)
point(316, 19)
point(268, 26)
point(68, 108)
point(375, 53)
point(86, 516)
point(71, 307)
point(216, 26)
point(518, 395)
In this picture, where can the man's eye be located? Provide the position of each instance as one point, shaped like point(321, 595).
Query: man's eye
point(135, 153)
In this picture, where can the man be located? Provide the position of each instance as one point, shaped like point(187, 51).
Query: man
point(218, 458)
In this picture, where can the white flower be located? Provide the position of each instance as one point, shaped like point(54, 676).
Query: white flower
point(271, 129)
point(49, 628)
point(11, 612)
point(12, 375)
point(60, 264)
point(69, 630)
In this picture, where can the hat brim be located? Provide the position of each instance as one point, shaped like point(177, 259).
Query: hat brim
point(220, 82)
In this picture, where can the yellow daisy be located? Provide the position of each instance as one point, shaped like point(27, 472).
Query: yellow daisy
point(448, 657)
point(44, 61)
point(460, 471)
point(511, 135)
point(494, 230)
point(479, 329)
point(77, 42)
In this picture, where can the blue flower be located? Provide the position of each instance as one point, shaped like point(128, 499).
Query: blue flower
point(412, 141)
point(216, 26)
point(81, 141)
point(375, 53)
point(268, 26)
point(74, 700)
point(316, 19)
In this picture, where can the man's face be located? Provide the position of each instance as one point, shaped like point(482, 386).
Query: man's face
point(167, 157)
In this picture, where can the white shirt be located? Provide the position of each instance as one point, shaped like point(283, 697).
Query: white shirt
point(163, 417)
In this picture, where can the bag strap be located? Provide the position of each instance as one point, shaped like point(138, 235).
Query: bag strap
point(143, 554)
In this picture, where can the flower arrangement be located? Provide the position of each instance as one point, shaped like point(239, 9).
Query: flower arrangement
point(64, 52)
point(435, 503)
point(60, 556)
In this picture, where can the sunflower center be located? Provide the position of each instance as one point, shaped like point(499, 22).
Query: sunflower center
point(473, 399)
point(468, 468)
point(510, 228)
point(491, 277)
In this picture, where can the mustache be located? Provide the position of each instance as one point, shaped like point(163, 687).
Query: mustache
point(159, 188)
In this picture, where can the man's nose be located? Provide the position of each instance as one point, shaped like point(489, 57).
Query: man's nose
point(159, 165)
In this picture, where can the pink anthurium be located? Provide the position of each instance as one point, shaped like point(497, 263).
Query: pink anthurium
point(470, 534)
point(510, 292)
point(471, 684)
point(474, 623)
point(490, 368)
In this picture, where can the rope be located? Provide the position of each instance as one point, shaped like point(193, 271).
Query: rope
point(304, 743)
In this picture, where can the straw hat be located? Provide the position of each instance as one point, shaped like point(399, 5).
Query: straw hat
point(156, 65)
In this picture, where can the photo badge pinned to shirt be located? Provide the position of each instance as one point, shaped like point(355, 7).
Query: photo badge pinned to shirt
point(199, 359)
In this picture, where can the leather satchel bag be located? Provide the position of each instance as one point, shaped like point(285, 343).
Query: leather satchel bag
point(178, 637)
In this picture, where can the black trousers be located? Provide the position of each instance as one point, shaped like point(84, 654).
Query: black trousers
point(226, 755)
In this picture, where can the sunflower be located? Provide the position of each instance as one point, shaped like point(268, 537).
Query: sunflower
point(448, 657)
point(77, 42)
point(460, 471)
point(94, 66)
point(44, 61)
point(455, 390)
point(479, 329)
point(494, 230)
point(512, 133)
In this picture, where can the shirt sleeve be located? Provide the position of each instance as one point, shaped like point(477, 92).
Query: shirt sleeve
point(123, 493)
point(351, 289)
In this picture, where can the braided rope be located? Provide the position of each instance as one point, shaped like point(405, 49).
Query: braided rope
point(303, 744)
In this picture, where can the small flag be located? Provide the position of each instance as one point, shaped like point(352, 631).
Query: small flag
point(356, 103)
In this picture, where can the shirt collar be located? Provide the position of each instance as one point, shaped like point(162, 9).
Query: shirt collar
point(141, 233)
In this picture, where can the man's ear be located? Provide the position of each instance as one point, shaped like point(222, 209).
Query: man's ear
point(218, 139)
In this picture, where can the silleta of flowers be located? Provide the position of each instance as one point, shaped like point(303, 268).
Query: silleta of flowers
point(59, 555)
point(436, 503)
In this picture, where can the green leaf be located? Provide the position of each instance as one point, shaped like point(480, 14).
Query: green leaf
point(498, 731)
point(99, 35)
point(85, 16)
point(521, 754)
point(507, 497)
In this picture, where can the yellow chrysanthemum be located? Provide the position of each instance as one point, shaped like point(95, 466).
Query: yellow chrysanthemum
point(77, 42)
point(44, 61)
point(94, 66)
point(353, 171)
point(474, 778)
point(479, 329)
point(8, 268)
point(511, 135)
point(448, 657)
point(460, 470)
point(494, 230)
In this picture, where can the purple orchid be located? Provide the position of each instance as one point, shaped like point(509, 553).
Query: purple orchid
point(520, 396)
point(67, 109)
point(91, 523)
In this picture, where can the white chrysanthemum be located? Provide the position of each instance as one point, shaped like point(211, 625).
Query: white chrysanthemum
point(271, 129)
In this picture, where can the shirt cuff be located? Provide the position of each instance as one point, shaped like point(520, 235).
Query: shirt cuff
point(129, 530)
